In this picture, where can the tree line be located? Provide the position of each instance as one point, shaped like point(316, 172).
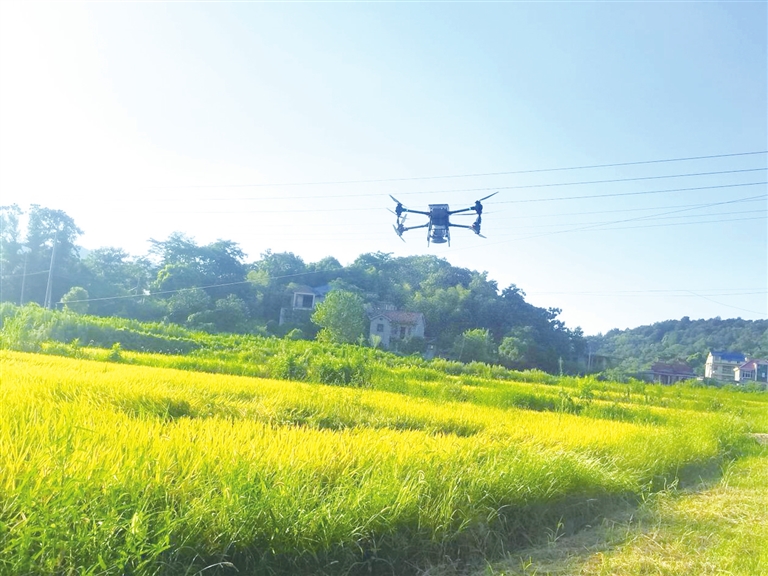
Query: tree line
point(683, 340)
point(212, 287)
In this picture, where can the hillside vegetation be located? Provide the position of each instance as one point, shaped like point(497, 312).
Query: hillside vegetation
point(151, 449)
point(681, 340)
point(213, 288)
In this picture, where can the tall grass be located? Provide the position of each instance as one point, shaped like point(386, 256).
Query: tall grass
point(110, 468)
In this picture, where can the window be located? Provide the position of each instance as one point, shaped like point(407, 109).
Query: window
point(305, 301)
point(748, 375)
point(402, 331)
point(379, 327)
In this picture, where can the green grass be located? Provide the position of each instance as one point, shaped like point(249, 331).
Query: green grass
point(716, 526)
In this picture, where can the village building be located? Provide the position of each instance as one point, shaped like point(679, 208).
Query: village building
point(669, 373)
point(304, 299)
point(720, 365)
point(752, 371)
point(389, 327)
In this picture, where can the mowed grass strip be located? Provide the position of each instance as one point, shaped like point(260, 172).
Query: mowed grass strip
point(719, 526)
point(109, 468)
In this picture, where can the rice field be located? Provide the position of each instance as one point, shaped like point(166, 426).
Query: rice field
point(122, 468)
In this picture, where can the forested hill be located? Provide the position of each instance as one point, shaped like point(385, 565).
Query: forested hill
point(213, 288)
point(687, 340)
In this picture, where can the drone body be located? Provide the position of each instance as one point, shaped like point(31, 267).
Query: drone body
point(439, 225)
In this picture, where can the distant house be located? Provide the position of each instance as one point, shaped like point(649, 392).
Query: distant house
point(752, 371)
point(392, 326)
point(303, 298)
point(665, 373)
point(721, 365)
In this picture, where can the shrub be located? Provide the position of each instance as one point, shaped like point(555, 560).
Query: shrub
point(76, 300)
point(288, 365)
point(329, 370)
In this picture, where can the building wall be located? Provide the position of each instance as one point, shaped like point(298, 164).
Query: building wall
point(760, 374)
point(391, 330)
point(386, 330)
point(718, 369)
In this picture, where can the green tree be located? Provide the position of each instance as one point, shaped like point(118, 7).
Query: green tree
point(342, 317)
point(519, 349)
point(12, 253)
point(269, 279)
point(185, 303)
point(47, 228)
point(229, 314)
point(112, 276)
point(475, 345)
point(76, 300)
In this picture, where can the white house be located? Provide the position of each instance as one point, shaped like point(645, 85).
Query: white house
point(392, 326)
point(721, 365)
point(303, 298)
point(752, 371)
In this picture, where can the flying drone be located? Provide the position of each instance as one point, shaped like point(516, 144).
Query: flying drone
point(439, 225)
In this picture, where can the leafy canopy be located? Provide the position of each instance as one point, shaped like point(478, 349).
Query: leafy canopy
point(342, 316)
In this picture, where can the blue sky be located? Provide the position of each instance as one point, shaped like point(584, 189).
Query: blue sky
point(142, 119)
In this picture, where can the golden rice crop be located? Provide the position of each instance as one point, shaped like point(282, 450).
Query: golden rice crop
point(110, 468)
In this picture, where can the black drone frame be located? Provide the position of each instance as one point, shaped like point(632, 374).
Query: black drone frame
point(439, 224)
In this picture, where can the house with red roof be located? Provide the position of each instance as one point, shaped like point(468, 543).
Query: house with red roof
point(753, 370)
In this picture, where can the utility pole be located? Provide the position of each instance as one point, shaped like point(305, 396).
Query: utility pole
point(26, 251)
point(49, 287)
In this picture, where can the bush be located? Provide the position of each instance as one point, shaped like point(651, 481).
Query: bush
point(288, 365)
point(413, 345)
point(329, 370)
point(76, 300)
point(26, 328)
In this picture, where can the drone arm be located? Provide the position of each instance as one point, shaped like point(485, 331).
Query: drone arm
point(415, 211)
point(475, 226)
point(405, 229)
point(472, 209)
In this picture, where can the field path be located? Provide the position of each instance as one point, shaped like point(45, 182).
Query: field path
point(718, 527)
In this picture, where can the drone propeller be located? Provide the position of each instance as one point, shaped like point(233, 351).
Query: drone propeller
point(399, 209)
point(399, 231)
point(476, 225)
point(478, 206)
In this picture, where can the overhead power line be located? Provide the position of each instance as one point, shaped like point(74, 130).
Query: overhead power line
point(660, 292)
point(485, 189)
point(165, 292)
point(551, 215)
point(683, 218)
point(27, 274)
point(491, 203)
point(665, 294)
point(623, 221)
point(477, 174)
point(494, 234)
